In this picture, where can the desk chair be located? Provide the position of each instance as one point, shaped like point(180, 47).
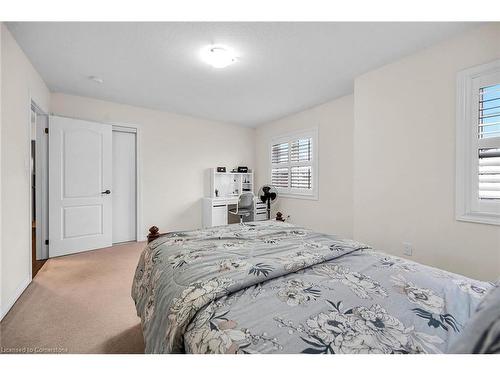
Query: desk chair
point(245, 205)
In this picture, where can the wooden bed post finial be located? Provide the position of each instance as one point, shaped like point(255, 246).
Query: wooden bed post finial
point(154, 233)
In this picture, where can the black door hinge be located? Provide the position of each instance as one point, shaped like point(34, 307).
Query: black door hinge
point(46, 130)
point(46, 242)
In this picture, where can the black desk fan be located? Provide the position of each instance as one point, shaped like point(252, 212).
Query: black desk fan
point(268, 194)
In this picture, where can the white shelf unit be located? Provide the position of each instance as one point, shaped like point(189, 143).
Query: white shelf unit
point(229, 184)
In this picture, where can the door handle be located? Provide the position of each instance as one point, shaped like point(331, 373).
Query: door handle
point(106, 192)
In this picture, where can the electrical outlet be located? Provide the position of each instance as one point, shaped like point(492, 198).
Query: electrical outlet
point(407, 248)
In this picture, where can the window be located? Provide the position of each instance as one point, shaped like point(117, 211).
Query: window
point(294, 169)
point(478, 144)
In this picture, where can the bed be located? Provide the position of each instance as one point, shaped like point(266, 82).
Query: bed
point(271, 287)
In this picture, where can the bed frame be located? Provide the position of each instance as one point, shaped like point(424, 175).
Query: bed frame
point(154, 233)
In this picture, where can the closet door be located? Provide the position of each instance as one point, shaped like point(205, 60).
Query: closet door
point(124, 186)
point(80, 167)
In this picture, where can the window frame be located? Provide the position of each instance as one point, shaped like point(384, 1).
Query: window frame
point(289, 192)
point(468, 205)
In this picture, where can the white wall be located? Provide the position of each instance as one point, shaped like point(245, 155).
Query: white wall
point(332, 212)
point(404, 158)
point(176, 152)
point(20, 83)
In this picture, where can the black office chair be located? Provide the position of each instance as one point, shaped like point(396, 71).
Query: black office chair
point(244, 207)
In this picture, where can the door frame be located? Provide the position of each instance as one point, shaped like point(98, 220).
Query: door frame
point(42, 188)
point(127, 128)
point(43, 171)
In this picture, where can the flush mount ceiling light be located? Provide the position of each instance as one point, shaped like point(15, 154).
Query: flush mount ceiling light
point(218, 56)
point(96, 79)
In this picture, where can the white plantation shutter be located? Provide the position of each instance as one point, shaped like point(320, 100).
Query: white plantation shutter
point(489, 135)
point(279, 153)
point(279, 177)
point(279, 156)
point(301, 150)
point(489, 173)
point(478, 144)
point(293, 164)
point(489, 112)
point(301, 178)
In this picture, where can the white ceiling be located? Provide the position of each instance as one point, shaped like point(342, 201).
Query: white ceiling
point(283, 67)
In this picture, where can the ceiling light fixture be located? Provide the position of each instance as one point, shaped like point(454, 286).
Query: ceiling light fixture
point(96, 79)
point(218, 56)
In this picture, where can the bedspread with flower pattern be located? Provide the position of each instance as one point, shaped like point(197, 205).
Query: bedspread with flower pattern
point(271, 287)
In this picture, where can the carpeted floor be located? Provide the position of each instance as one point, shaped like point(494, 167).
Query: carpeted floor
point(78, 304)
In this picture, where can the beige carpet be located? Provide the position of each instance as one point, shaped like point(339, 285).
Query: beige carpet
point(78, 304)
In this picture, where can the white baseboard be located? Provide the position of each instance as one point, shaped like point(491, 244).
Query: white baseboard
point(6, 306)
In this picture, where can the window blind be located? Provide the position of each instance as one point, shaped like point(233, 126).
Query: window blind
point(279, 177)
point(489, 173)
point(279, 153)
point(301, 177)
point(301, 150)
point(489, 112)
point(293, 164)
point(489, 135)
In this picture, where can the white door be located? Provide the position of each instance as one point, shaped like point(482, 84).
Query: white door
point(80, 176)
point(124, 186)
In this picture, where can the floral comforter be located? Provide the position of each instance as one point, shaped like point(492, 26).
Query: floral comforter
point(270, 287)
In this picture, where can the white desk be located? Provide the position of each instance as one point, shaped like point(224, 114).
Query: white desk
point(215, 211)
